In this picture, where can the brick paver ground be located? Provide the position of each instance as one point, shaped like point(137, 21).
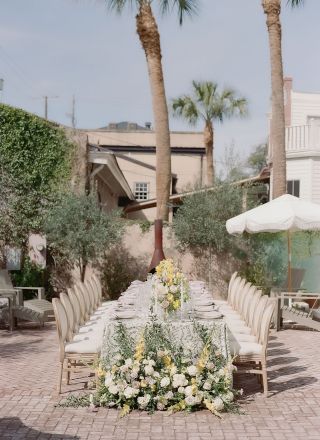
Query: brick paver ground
point(28, 371)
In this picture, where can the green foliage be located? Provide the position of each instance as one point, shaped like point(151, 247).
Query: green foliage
point(200, 222)
point(79, 232)
point(31, 275)
point(266, 259)
point(145, 225)
point(257, 160)
point(118, 268)
point(35, 159)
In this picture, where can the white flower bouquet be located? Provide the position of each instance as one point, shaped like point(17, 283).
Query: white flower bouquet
point(170, 286)
point(154, 375)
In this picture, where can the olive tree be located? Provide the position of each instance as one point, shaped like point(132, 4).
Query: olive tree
point(200, 223)
point(80, 232)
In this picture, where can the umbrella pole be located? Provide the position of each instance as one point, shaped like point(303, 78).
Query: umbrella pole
point(289, 262)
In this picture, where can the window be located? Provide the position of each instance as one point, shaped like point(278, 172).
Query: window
point(293, 187)
point(141, 190)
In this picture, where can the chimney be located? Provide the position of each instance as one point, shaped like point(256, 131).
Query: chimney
point(287, 89)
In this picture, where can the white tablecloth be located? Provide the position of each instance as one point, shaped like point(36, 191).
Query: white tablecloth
point(181, 332)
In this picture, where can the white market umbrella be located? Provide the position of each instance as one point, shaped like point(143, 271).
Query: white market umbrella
point(285, 213)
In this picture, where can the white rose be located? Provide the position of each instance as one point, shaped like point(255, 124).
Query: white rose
point(169, 395)
point(210, 365)
point(207, 386)
point(129, 362)
point(156, 374)
point(165, 381)
point(198, 398)
point(144, 400)
point(148, 369)
point(134, 374)
point(165, 304)
point(128, 392)
point(218, 403)
point(188, 391)
point(192, 370)
point(179, 380)
point(228, 397)
point(111, 404)
point(173, 370)
point(190, 400)
point(150, 381)
point(160, 406)
point(173, 289)
point(181, 390)
point(108, 380)
point(113, 389)
point(151, 362)
point(124, 368)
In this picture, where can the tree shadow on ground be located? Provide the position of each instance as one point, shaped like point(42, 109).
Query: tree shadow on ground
point(14, 429)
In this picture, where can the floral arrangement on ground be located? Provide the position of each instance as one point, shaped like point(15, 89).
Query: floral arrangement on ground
point(156, 375)
point(170, 286)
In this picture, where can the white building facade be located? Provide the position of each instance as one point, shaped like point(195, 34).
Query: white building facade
point(302, 114)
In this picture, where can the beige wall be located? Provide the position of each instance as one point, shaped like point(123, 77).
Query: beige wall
point(140, 246)
point(108, 199)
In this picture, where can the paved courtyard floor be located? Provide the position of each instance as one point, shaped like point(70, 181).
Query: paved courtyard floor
point(28, 371)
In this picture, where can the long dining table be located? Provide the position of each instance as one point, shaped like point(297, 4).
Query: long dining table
point(134, 311)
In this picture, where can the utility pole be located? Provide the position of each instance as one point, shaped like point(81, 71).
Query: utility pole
point(45, 107)
point(72, 115)
point(46, 98)
point(1, 88)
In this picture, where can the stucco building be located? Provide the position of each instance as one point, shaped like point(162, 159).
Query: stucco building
point(133, 148)
point(302, 118)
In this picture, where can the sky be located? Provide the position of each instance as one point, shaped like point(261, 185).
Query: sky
point(62, 48)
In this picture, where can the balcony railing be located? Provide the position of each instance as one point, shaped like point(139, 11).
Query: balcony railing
point(302, 138)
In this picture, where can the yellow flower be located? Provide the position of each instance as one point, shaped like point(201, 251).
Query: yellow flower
point(143, 383)
point(203, 358)
point(100, 372)
point(114, 368)
point(139, 349)
point(167, 360)
point(176, 304)
point(125, 410)
point(170, 298)
point(193, 380)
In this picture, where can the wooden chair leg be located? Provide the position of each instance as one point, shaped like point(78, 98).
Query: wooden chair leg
point(264, 379)
point(69, 366)
point(60, 377)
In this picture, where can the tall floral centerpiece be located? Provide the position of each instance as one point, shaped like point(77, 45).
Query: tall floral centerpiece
point(170, 288)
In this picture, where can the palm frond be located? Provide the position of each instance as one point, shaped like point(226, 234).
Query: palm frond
point(119, 5)
point(184, 107)
point(184, 7)
point(295, 3)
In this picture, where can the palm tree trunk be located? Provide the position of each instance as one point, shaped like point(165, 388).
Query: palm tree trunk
point(147, 30)
point(208, 136)
point(272, 9)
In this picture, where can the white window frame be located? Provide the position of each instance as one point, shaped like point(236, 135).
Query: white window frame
point(296, 185)
point(141, 191)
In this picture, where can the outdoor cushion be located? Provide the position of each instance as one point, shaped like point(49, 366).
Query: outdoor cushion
point(245, 348)
point(85, 345)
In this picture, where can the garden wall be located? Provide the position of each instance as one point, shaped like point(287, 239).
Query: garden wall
point(139, 246)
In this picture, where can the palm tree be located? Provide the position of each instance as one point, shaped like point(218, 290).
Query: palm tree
point(149, 36)
point(209, 105)
point(272, 9)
